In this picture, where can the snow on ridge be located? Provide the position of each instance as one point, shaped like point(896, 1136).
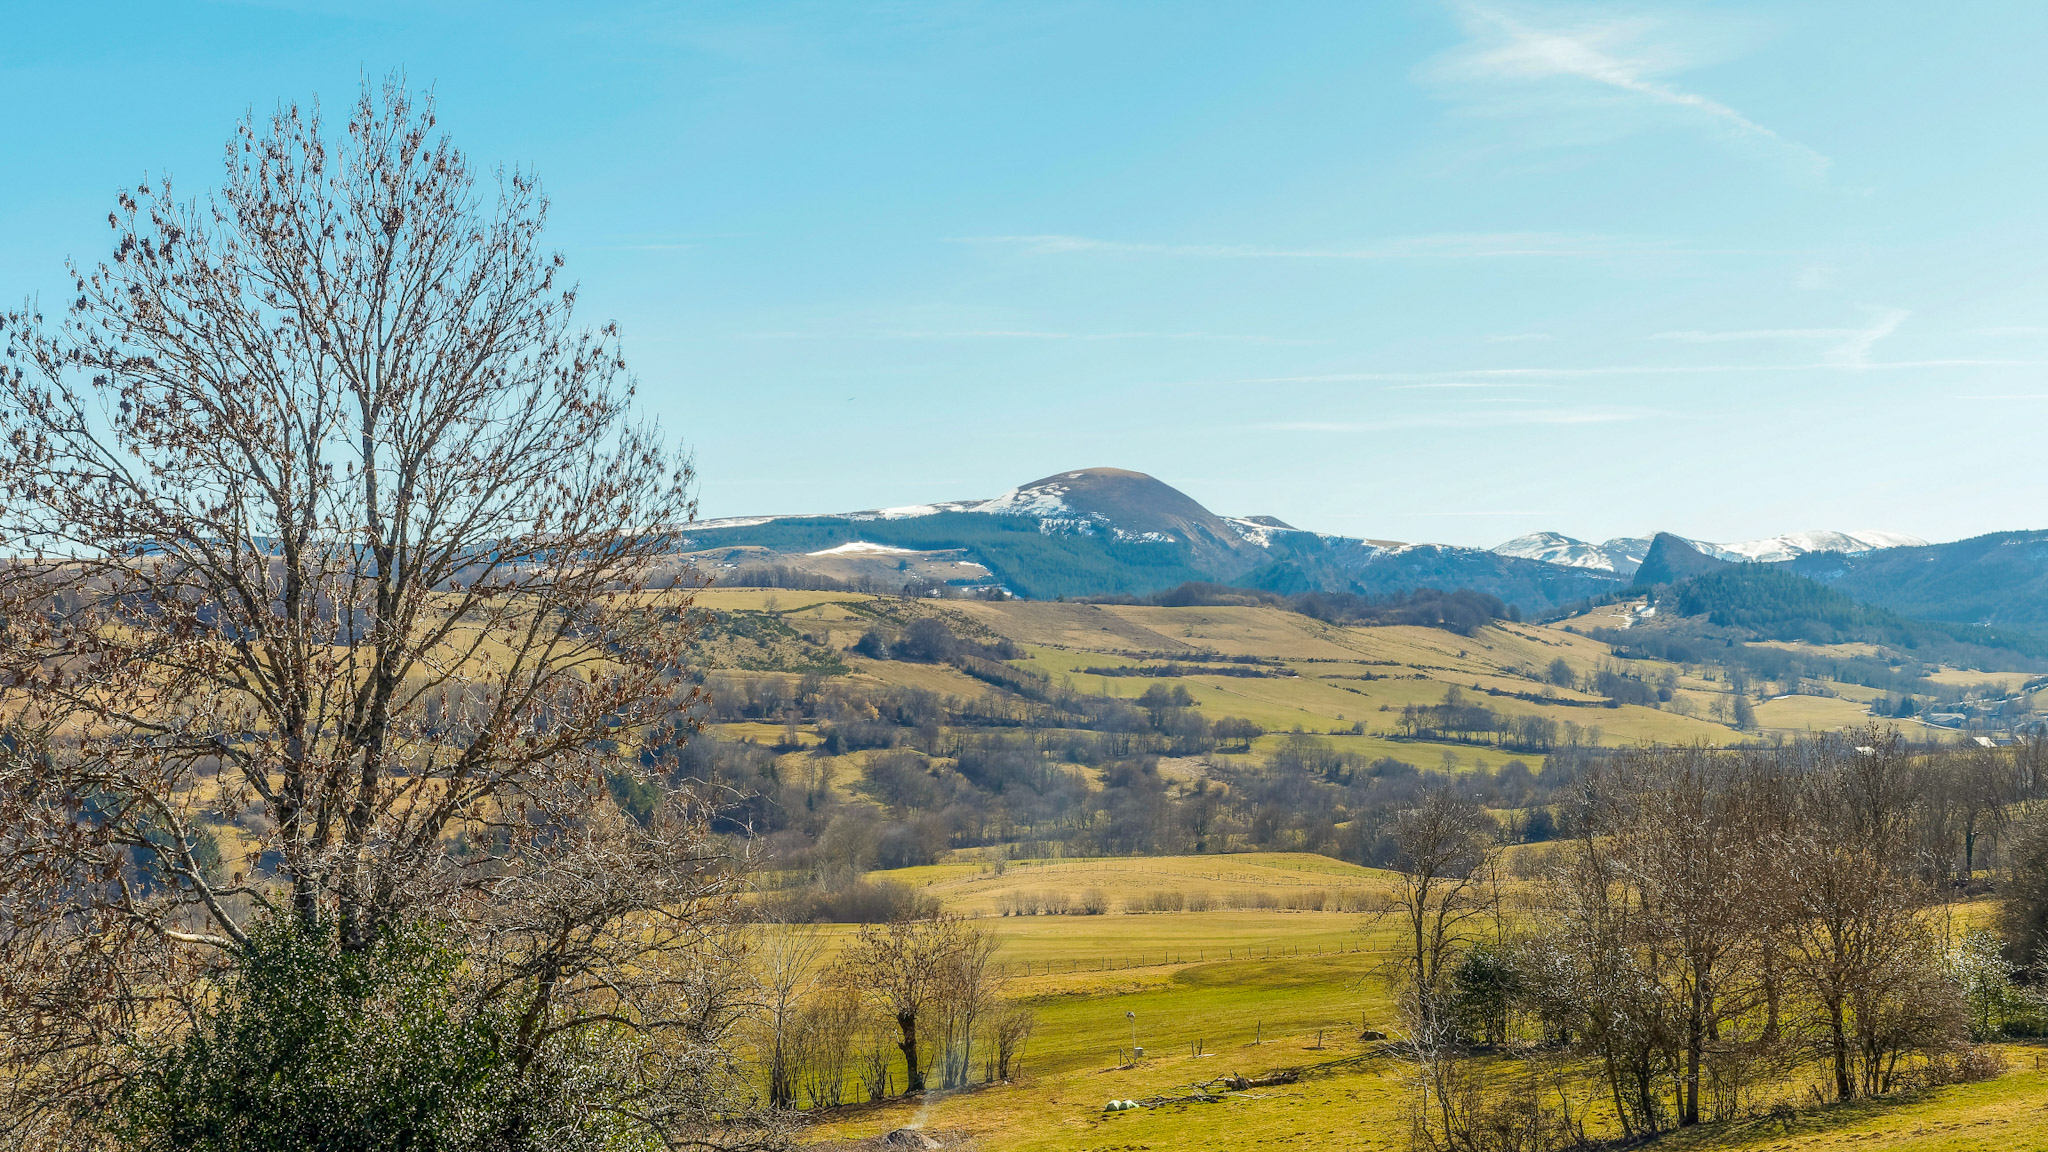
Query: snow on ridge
point(1570, 552)
point(1253, 532)
point(913, 511)
point(863, 548)
point(1795, 544)
point(1624, 553)
point(1880, 540)
point(731, 522)
point(1043, 501)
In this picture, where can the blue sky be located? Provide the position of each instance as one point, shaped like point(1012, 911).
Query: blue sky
point(1414, 270)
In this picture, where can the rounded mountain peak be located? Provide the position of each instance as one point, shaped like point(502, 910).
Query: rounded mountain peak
point(1135, 505)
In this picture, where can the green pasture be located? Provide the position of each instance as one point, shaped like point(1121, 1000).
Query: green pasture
point(1282, 877)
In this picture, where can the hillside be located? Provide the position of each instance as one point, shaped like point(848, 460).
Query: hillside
point(1773, 604)
point(1999, 580)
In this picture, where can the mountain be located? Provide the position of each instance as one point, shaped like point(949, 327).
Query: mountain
point(1772, 601)
point(1776, 549)
point(1674, 558)
point(1108, 531)
point(1309, 562)
point(1619, 556)
point(1111, 531)
point(1133, 506)
point(1998, 580)
point(1623, 554)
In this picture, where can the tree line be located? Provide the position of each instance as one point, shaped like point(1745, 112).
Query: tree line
point(1721, 928)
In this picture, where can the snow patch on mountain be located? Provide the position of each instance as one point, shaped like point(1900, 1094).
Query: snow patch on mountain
point(734, 522)
point(1624, 555)
point(912, 511)
point(1258, 530)
point(863, 548)
point(1042, 501)
point(1792, 545)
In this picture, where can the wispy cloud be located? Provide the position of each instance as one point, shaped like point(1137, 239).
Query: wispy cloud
point(1495, 377)
point(1855, 351)
point(1466, 384)
point(1612, 54)
point(1465, 419)
point(1746, 334)
point(1851, 345)
point(1027, 334)
point(1449, 246)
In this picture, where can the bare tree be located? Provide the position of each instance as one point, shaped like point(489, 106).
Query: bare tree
point(1443, 895)
point(1443, 892)
point(789, 974)
point(973, 987)
point(1687, 841)
point(1859, 944)
point(329, 597)
point(912, 969)
point(1008, 1035)
point(1593, 982)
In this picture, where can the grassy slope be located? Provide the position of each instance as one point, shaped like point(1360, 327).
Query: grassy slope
point(1312, 971)
point(1253, 1015)
point(1363, 1108)
point(976, 887)
point(1341, 676)
point(1410, 665)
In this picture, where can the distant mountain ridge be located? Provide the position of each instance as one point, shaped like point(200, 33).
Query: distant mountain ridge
point(1621, 555)
point(1112, 531)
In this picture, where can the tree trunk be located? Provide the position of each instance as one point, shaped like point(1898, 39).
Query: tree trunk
point(913, 1076)
point(1695, 1040)
point(1844, 1089)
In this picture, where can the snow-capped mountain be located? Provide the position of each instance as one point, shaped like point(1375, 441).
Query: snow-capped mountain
point(1623, 555)
point(1795, 544)
point(1109, 531)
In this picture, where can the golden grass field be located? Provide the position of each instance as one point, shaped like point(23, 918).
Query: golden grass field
point(1256, 982)
point(1326, 680)
point(1337, 677)
point(1264, 990)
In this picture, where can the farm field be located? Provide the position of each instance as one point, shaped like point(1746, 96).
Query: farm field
point(1361, 1107)
point(1313, 982)
point(1287, 672)
point(1224, 880)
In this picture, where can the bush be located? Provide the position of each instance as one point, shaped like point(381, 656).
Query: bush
point(858, 902)
point(309, 1047)
point(927, 640)
point(2023, 905)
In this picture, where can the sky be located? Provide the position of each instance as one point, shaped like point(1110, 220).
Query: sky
point(1401, 269)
